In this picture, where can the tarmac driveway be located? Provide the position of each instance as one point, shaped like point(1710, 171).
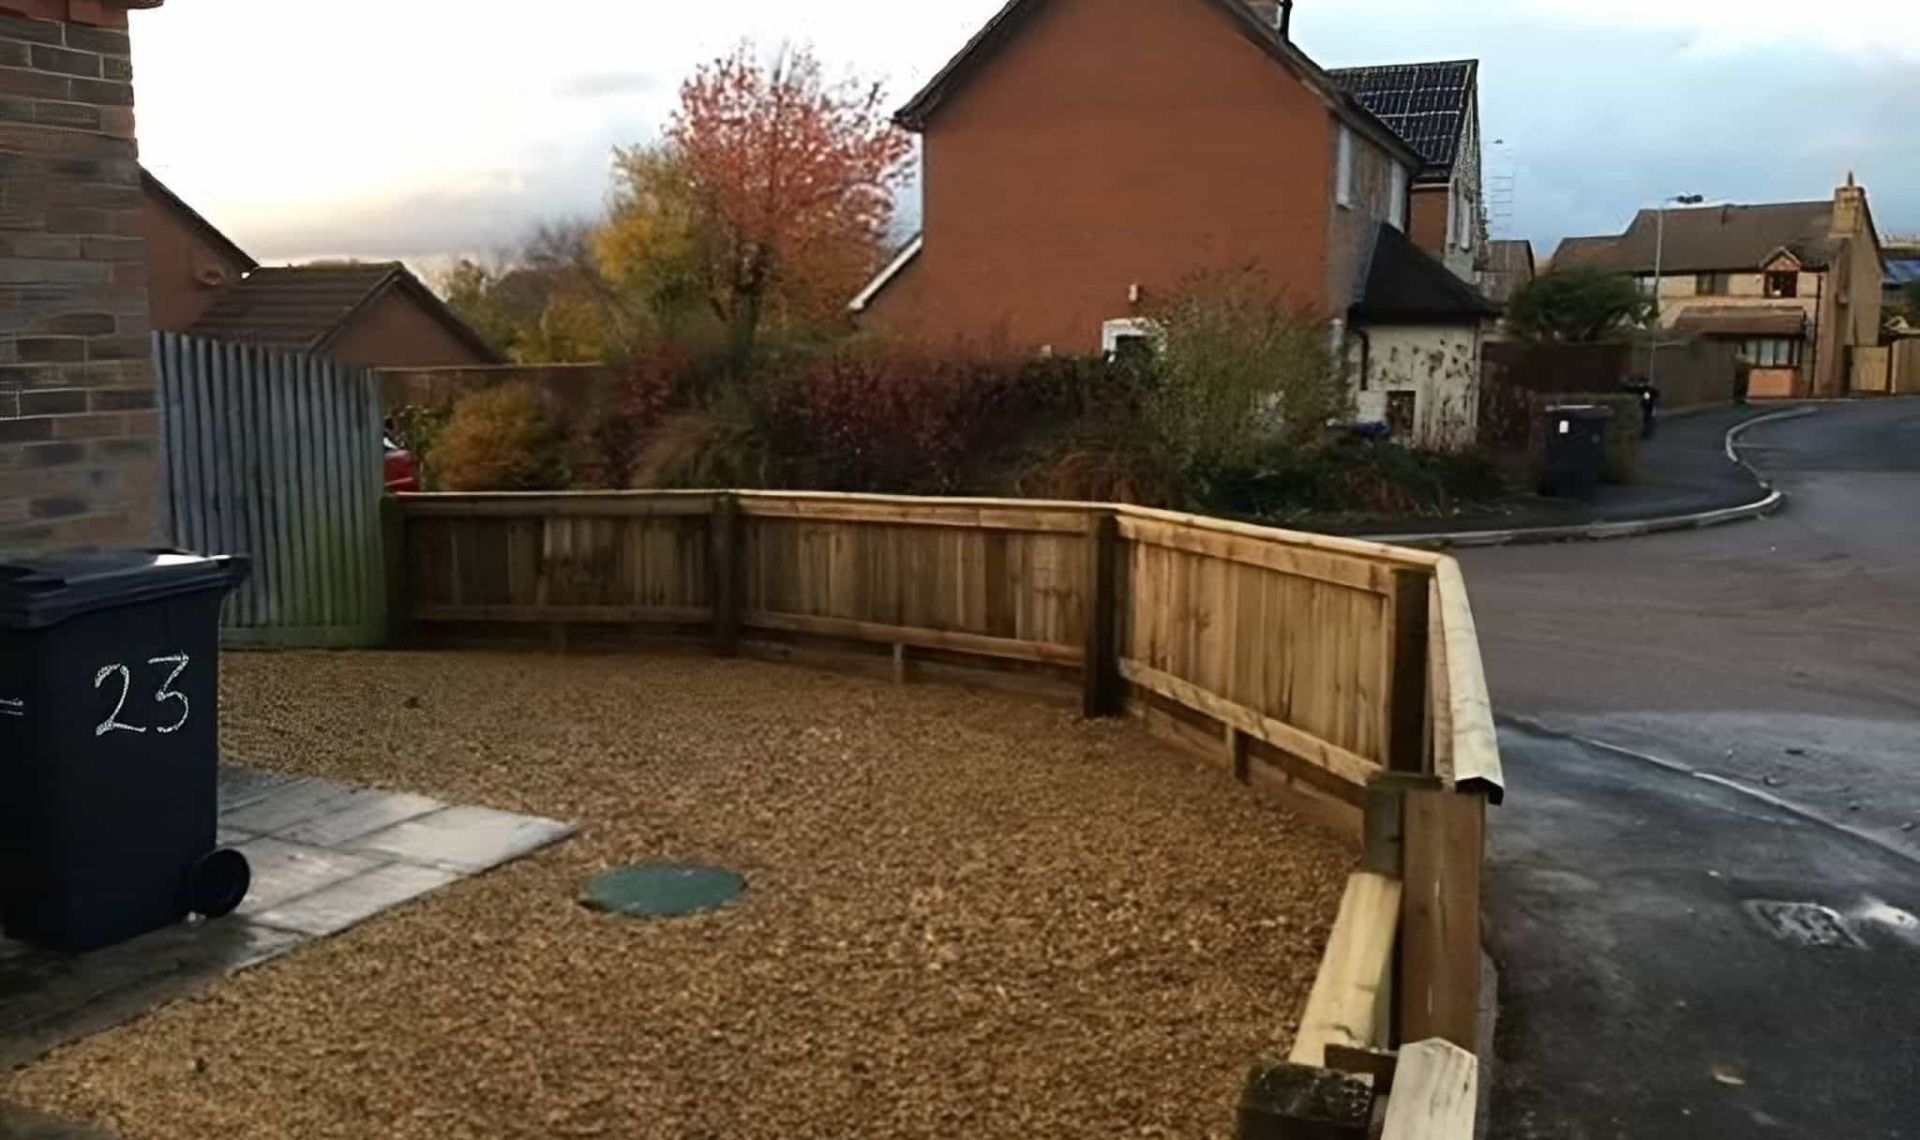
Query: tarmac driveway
point(1708, 930)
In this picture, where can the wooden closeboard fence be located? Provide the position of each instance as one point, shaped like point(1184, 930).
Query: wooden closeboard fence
point(1344, 674)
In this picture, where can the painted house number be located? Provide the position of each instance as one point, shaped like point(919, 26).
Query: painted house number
point(162, 696)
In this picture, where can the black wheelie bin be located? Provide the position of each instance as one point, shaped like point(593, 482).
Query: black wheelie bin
point(1576, 451)
point(109, 718)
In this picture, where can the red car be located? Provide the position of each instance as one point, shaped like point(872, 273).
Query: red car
point(403, 467)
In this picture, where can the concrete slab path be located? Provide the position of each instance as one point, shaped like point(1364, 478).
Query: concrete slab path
point(325, 856)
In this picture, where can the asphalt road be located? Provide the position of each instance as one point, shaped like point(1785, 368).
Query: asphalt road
point(1761, 682)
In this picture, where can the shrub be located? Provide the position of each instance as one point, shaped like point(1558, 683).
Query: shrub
point(1354, 476)
point(501, 439)
point(623, 414)
point(1237, 367)
point(707, 448)
point(418, 428)
point(876, 417)
point(872, 419)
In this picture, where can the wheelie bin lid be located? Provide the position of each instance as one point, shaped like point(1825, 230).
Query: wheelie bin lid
point(1580, 411)
point(38, 592)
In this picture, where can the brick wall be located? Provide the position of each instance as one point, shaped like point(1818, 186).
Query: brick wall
point(78, 424)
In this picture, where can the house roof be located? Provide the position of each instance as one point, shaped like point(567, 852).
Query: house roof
point(1706, 239)
point(1404, 284)
point(308, 307)
point(1742, 320)
point(1903, 263)
point(1510, 255)
point(895, 264)
point(1509, 266)
point(917, 111)
point(1427, 104)
point(207, 230)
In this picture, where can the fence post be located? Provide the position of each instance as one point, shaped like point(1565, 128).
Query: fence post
point(1103, 694)
point(1407, 701)
point(723, 570)
point(1445, 848)
point(393, 549)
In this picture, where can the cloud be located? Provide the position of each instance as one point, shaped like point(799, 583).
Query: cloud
point(1883, 28)
point(601, 84)
point(483, 121)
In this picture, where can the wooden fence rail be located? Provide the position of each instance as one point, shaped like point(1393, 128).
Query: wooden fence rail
point(1343, 673)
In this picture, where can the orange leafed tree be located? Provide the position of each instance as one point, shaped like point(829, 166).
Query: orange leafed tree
point(792, 177)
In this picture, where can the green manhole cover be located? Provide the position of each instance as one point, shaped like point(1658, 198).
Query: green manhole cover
point(663, 890)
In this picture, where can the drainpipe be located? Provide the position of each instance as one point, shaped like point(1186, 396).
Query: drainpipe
point(1286, 19)
point(1813, 363)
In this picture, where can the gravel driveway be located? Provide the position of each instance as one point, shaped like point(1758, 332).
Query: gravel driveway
point(970, 913)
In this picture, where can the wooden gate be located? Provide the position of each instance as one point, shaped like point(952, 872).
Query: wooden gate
point(277, 456)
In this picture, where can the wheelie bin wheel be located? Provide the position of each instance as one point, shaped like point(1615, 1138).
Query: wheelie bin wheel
point(217, 882)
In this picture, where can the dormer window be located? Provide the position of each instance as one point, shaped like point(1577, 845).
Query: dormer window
point(1784, 283)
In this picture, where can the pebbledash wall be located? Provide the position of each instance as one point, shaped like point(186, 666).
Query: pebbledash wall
point(79, 427)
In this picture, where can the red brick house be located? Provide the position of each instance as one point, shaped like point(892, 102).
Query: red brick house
point(368, 314)
point(189, 261)
point(1081, 157)
point(1436, 108)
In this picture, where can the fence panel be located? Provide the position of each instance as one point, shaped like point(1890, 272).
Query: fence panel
point(1294, 644)
point(559, 558)
point(277, 457)
point(1001, 579)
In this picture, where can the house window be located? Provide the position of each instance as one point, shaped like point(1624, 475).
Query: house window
point(1783, 284)
point(1463, 221)
point(1711, 284)
point(1400, 412)
point(1647, 284)
point(1772, 352)
point(1127, 339)
point(1343, 172)
point(1397, 204)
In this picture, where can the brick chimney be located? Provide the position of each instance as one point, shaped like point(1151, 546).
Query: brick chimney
point(1849, 209)
point(79, 429)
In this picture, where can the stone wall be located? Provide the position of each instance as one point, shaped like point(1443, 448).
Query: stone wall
point(79, 429)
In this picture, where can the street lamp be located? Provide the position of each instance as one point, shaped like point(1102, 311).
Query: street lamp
point(1659, 252)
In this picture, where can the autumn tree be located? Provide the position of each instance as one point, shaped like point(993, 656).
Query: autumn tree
point(546, 301)
point(769, 195)
point(657, 248)
point(471, 289)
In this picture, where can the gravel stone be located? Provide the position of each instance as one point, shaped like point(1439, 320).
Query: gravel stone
point(968, 912)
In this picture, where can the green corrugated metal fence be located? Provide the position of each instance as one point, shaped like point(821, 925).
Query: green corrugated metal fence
point(278, 456)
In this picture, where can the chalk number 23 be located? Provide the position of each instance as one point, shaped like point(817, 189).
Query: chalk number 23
point(163, 695)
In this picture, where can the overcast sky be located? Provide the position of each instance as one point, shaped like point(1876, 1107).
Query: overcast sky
point(421, 128)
